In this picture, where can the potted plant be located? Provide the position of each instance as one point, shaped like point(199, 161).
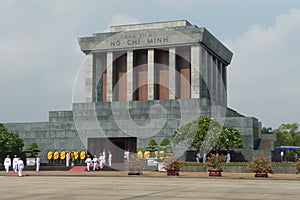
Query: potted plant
point(214, 162)
point(261, 166)
point(31, 153)
point(135, 165)
point(172, 165)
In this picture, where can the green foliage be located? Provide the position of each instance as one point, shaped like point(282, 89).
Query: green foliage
point(152, 146)
point(207, 133)
point(33, 150)
point(266, 130)
point(9, 142)
point(229, 138)
point(165, 142)
point(288, 135)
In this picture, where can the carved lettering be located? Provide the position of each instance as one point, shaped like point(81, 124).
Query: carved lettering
point(133, 42)
point(140, 39)
point(157, 40)
point(115, 43)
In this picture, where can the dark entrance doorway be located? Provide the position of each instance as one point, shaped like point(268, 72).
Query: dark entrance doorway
point(116, 146)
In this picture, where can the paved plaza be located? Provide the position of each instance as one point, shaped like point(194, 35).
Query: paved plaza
point(118, 186)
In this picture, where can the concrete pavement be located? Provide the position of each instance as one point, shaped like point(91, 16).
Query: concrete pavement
point(146, 188)
point(151, 185)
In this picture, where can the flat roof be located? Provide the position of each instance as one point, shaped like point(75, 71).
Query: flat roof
point(153, 25)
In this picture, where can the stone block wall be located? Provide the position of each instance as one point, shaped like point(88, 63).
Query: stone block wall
point(157, 119)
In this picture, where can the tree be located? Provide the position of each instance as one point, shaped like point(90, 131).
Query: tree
point(207, 133)
point(165, 142)
point(266, 130)
point(288, 135)
point(10, 143)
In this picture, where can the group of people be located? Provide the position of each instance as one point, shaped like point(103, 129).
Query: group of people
point(17, 164)
point(101, 160)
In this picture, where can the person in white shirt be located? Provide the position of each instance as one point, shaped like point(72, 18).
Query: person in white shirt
point(101, 161)
point(126, 155)
point(67, 159)
point(88, 162)
point(104, 155)
point(204, 157)
point(228, 157)
point(109, 158)
point(95, 161)
point(38, 163)
point(20, 166)
point(15, 164)
point(7, 163)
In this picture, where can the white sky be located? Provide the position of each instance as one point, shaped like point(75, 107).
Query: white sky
point(40, 56)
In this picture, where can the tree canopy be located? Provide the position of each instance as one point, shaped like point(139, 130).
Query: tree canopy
point(10, 142)
point(288, 135)
point(207, 133)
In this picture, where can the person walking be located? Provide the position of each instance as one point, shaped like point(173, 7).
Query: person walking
point(38, 163)
point(95, 161)
point(7, 163)
point(15, 164)
point(88, 162)
point(20, 166)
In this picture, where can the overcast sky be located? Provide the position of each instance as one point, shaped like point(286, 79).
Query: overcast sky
point(40, 56)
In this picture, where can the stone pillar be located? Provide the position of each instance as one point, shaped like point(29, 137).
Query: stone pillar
point(109, 71)
point(217, 82)
point(150, 74)
point(89, 77)
point(224, 77)
point(220, 83)
point(195, 71)
point(209, 75)
point(129, 75)
point(98, 71)
point(204, 74)
point(214, 81)
point(172, 73)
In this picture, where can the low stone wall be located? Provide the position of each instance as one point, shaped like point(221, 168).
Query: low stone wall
point(239, 169)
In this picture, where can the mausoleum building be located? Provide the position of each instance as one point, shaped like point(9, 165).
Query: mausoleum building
point(144, 81)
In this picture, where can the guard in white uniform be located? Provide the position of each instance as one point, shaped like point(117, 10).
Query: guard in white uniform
point(67, 159)
point(38, 163)
point(126, 155)
point(109, 158)
point(104, 155)
point(20, 166)
point(7, 163)
point(101, 161)
point(95, 161)
point(88, 162)
point(15, 164)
